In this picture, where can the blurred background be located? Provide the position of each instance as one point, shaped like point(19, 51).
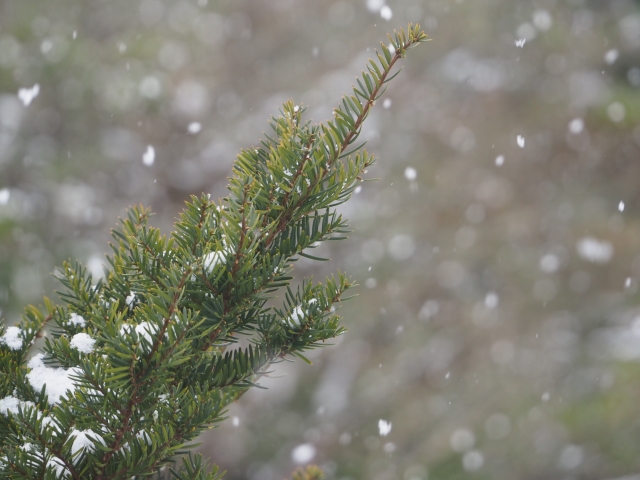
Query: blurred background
point(496, 334)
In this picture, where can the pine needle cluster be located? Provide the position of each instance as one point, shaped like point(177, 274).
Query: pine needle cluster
point(137, 364)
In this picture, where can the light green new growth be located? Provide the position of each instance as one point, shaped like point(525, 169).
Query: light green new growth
point(139, 364)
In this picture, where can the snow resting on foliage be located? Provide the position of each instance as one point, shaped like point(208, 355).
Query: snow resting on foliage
point(143, 329)
point(57, 380)
point(12, 338)
point(77, 320)
point(12, 405)
point(131, 299)
point(83, 343)
point(298, 314)
point(81, 441)
point(58, 467)
point(212, 259)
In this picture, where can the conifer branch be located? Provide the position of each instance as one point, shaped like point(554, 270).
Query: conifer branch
point(147, 357)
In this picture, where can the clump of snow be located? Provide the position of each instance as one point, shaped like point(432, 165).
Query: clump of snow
point(58, 467)
point(77, 320)
point(83, 343)
point(594, 250)
point(57, 380)
point(144, 330)
point(520, 140)
point(131, 299)
point(149, 156)
point(26, 95)
point(5, 194)
point(51, 422)
point(297, 316)
point(303, 453)
point(386, 13)
point(12, 338)
point(82, 442)
point(520, 42)
point(11, 404)
point(144, 436)
point(387, 103)
point(500, 160)
point(621, 206)
point(384, 427)
point(212, 259)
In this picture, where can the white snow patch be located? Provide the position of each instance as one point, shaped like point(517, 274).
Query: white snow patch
point(12, 338)
point(12, 405)
point(520, 42)
point(303, 453)
point(149, 156)
point(384, 427)
point(594, 250)
point(297, 316)
point(77, 320)
point(26, 95)
point(57, 380)
point(83, 343)
point(81, 440)
point(144, 436)
point(212, 259)
point(58, 467)
point(146, 330)
point(131, 299)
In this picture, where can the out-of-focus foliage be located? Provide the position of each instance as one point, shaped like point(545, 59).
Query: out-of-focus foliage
point(497, 324)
